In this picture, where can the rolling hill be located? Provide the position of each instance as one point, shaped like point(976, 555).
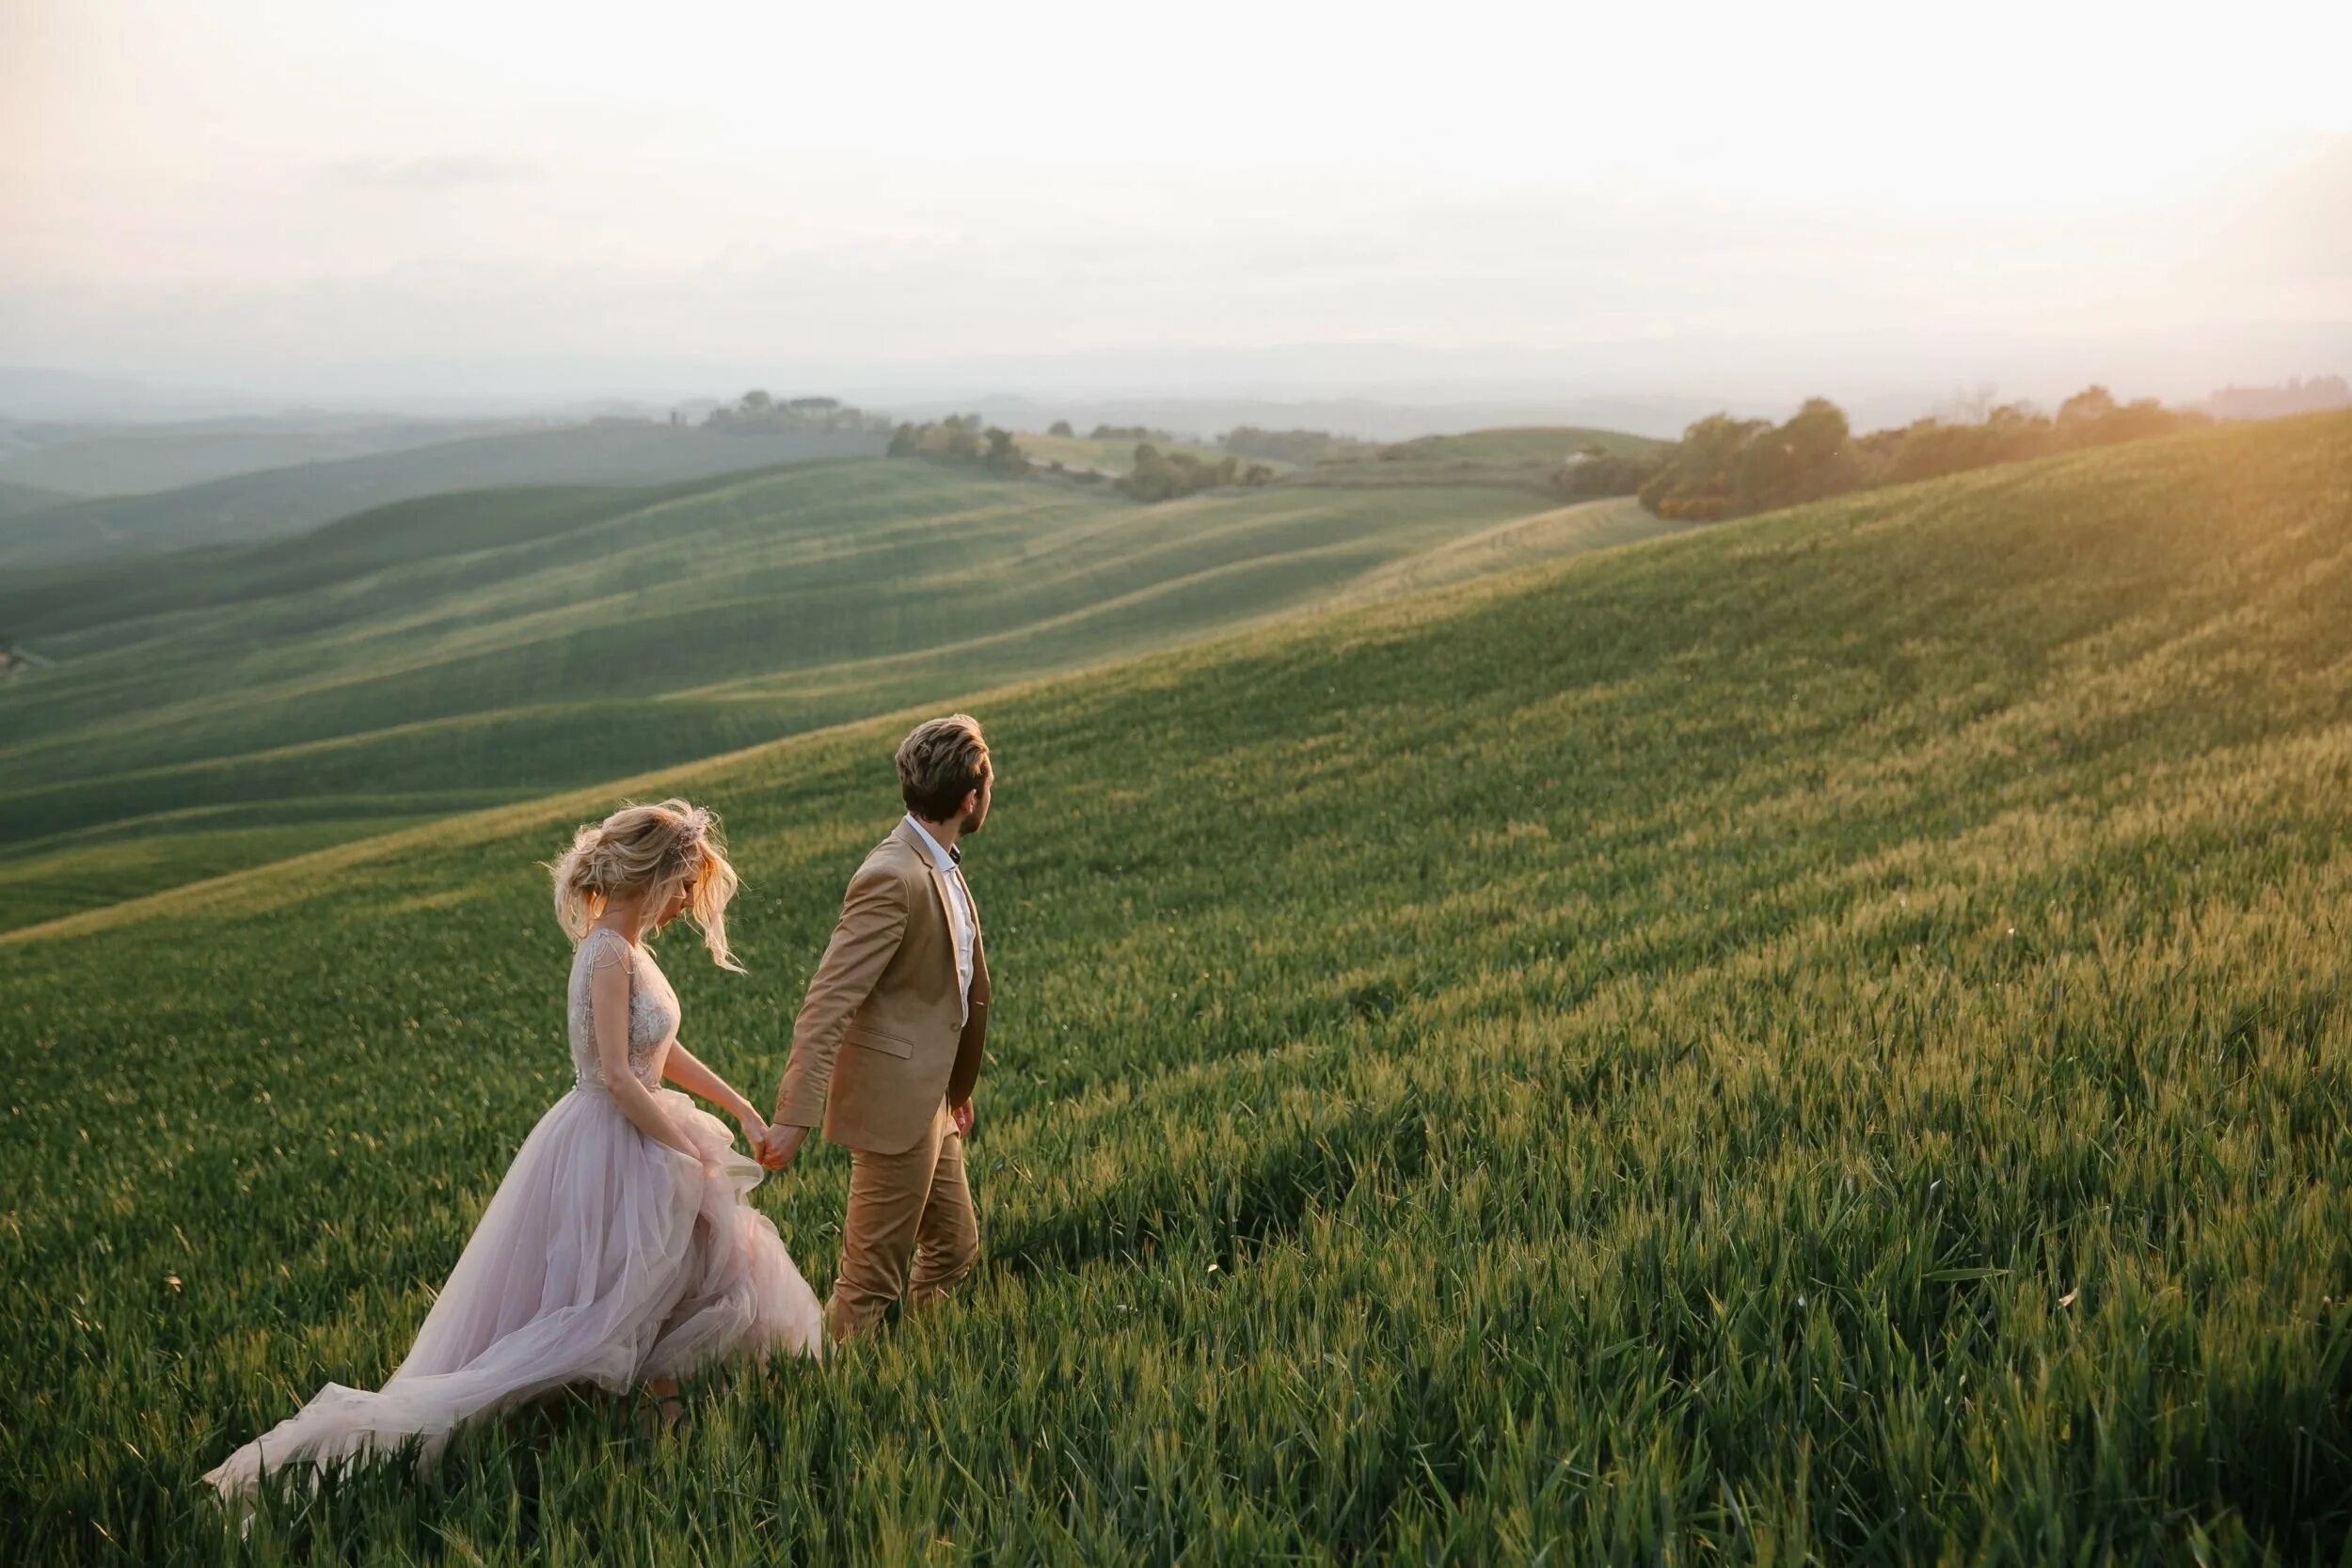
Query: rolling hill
point(1822, 1038)
point(278, 503)
point(18, 499)
point(1523, 458)
point(446, 654)
point(1547, 446)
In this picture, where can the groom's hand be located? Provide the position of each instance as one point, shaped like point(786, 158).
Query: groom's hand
point(782, 1144)
point(963, 1115)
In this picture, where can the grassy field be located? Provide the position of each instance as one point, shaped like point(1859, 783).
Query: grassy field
point(276, 503)
point(100, 866)
point(1818, 1039)
point(1549, 535)
point(462, 651)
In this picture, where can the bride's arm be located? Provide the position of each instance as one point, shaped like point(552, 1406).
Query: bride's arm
point(608, 1000)
point(686, 1069)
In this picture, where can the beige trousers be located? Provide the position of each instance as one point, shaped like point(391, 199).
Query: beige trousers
point(911, 1229)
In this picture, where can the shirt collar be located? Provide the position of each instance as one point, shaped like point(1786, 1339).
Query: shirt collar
point(947, 860)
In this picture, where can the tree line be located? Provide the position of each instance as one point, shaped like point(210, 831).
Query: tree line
point(964, 438)
point(759, 412)
point(1727, 467)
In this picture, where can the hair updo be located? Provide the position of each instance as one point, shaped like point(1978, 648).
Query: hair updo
point(641, 848)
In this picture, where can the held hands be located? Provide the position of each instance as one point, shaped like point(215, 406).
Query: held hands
point(755, 1129)
point(777, 1145)
point(768, 1143)
point(781, 1144)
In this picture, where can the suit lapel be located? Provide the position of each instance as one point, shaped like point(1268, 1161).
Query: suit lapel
point(913, 841)
point(947, 909)
point(981, 991)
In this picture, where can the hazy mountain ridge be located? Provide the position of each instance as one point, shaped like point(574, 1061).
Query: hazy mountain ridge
point(115, 460)
point(1378, 389)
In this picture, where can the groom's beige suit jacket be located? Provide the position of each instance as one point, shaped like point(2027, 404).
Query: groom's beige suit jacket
point(878, 1045)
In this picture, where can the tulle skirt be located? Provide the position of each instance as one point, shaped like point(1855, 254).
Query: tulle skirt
point(605, 1257)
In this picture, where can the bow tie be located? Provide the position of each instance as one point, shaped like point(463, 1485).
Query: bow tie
point(955, 855)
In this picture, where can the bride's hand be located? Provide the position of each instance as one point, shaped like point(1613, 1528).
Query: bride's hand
point(754, 1130)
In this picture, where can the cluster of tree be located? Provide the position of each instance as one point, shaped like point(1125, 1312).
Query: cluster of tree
point(1727, 467)
point(1111, 431)
point(962, 438)
point(1291, 446)
point(756, 411)
point(1159, 476)
point(2298, 396)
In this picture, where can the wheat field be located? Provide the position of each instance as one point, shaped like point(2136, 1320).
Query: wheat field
point(1820, 1039)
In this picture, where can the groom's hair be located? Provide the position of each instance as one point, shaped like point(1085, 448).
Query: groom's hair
point(939, 763)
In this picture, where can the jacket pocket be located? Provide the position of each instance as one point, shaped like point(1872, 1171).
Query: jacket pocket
point(889, 1045)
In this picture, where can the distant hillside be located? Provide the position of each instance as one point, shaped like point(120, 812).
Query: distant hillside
point(17, 499)
point(281, 501)
point(2293, 396)
point(134, 462)
point(35, 392)
point(1551, 444)
point(1112, 455)
point(1525, 457)
point(455, 651)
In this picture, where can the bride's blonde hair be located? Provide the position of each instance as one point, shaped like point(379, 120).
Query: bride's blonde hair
point(644, 846)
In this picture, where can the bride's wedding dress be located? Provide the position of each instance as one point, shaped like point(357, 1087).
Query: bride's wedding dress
point(605, 1257)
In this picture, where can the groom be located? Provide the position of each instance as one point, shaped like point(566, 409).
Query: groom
point(904, 986)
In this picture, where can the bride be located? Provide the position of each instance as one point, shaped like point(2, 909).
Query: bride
point(620, 1247)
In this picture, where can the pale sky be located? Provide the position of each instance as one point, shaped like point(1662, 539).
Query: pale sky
point(300, 194)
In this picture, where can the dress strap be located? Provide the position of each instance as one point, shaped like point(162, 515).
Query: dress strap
point(605, 947)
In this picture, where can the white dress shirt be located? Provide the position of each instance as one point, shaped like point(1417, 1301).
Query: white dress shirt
point(960, 918)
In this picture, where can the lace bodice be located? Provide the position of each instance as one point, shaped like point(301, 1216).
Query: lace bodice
point(653, 1009)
